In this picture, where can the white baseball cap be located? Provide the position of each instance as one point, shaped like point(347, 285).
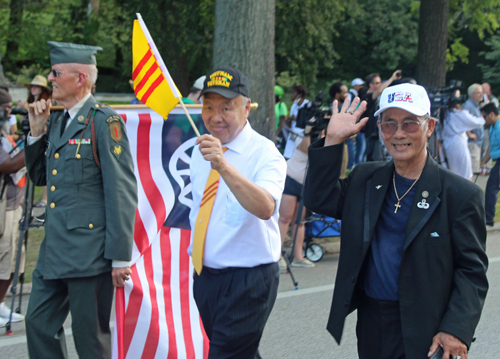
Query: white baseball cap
point(198, 84)
point(357, 82)
point(408, 97)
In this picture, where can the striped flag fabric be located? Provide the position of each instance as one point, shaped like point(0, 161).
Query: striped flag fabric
point(153, 85)
point(155, 313)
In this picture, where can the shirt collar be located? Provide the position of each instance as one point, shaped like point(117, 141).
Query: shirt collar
point(239, 143)
point(73, 111)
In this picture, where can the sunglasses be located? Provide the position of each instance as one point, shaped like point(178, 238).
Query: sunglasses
point(57, 73)
point(390, 128)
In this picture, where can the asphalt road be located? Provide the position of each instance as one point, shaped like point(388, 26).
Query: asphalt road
point(296, 327)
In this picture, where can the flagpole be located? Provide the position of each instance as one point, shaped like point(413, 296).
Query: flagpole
point(165, 72)
point(190, 119)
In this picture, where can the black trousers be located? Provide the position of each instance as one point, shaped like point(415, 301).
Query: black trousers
point(379, 330)
point(88, 298)
point(234, 305)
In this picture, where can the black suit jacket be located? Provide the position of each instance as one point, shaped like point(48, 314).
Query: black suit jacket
point(442, 279)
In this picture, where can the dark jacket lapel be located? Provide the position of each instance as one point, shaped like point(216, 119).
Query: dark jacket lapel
point(376, 189)
point(425, 202)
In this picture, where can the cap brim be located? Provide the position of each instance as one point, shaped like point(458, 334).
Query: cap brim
point(414, 110)
point(221, 91)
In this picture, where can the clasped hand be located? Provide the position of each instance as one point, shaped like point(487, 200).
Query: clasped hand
point(211, 149)
point(344, 123)
point(38, 113)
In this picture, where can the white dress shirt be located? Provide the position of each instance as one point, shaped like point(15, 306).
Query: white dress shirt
point(235, 237)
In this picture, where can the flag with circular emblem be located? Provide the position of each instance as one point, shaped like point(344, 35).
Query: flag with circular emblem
point(153, 85)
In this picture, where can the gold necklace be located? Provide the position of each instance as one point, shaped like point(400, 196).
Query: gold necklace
point(397, 205)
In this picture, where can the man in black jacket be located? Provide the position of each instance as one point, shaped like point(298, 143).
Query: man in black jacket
point(413, 259)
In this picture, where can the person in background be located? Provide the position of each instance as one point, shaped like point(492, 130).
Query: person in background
point(456, 122)
point(280, 109)
point(290, 202)
point(193, 97)
point(14, 194)
point(491, 115)
point(38, 90)
point(299, 93)
point(476, 136)
point(338, 92)
point(489, 97)
point(356, 85)
point(373, 149)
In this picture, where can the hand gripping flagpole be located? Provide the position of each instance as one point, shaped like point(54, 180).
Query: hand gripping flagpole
point(165, 72)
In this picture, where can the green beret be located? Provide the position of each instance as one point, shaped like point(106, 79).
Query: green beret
point(62, 52)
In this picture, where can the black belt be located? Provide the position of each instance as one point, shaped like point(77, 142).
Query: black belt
point(228, 269)
point(218, 271)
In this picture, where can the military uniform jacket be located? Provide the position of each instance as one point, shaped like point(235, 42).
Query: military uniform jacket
point(442, 278)
point(90, 211)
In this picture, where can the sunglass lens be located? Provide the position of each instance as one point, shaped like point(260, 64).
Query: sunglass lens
point(411, 127)
point(388, 128)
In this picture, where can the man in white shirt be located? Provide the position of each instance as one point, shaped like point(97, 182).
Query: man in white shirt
point(236, 286)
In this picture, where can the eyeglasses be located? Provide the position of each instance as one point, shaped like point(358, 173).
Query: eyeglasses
point(390, 128)
point(57, 73)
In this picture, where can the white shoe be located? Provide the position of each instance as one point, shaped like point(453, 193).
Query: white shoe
point(282, 264)
point(304, 263)
point(5, 314)
point(3, 322)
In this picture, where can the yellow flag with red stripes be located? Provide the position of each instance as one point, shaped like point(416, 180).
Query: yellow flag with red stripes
point(153, 85)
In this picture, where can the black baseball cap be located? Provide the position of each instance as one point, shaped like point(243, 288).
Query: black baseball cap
point(226, 81)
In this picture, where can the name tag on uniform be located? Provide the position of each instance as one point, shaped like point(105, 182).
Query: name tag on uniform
point(76, 141)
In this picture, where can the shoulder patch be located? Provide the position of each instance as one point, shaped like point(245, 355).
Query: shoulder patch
point(115, 127)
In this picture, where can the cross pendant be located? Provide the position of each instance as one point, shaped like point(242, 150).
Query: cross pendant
point(397, 205)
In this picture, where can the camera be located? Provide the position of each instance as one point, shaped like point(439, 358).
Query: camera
point(19, 111)
point(314, 109)
point(445, 97)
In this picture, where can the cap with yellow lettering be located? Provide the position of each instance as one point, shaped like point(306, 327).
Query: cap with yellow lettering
point(226, 81)
point(63, 52)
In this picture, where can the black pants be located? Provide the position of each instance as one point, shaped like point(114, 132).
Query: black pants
point(379, 330)
point(234, 305)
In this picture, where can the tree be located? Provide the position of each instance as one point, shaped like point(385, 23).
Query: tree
point(244, 39)
point(440, 20)
point(15, 20)
point(371, 39)
point(305, 32)
point(432, 43)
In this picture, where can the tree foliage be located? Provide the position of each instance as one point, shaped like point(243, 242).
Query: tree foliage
point(373, 39)
point(315, 40)
point(304, 36)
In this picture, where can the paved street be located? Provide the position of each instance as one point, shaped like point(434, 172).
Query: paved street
point(296, 328)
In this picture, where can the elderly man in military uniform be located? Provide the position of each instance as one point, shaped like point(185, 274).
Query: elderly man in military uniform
point(84, 158)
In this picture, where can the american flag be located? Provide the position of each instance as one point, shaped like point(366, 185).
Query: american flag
point(155, 314)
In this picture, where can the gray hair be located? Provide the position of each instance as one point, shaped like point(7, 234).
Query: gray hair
point(472, 88)
point(90, 71)
point(244, 100)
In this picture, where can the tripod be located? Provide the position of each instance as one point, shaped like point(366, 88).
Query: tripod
point(24, 224)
